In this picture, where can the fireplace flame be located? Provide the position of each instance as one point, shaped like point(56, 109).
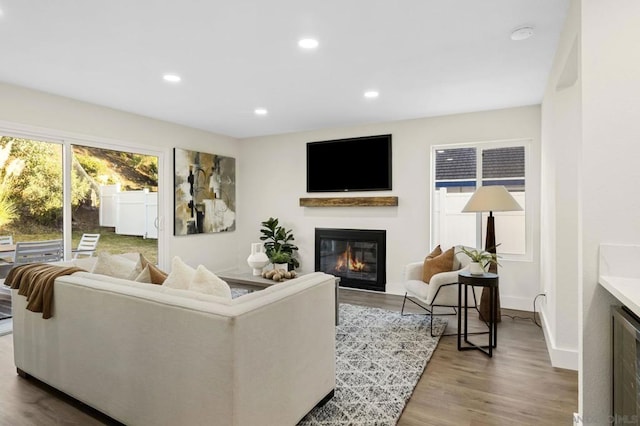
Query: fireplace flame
point(347, 260)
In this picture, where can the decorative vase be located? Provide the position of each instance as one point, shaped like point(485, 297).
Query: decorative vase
point(284, 266)
point(475, 268)
point(258, 258)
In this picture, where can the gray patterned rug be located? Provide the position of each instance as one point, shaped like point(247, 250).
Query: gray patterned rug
point(380, 356)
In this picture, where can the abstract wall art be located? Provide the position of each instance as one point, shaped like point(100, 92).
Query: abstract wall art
point(205, 192)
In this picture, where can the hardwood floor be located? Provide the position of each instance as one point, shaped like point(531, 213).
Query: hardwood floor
point(517, 386)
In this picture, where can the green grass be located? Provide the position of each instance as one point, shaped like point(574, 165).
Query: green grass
point(109, 242)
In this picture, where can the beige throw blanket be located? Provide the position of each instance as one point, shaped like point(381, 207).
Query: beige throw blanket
point(35, 281)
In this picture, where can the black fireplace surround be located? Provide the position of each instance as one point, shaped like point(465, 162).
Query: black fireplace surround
point(357, 256)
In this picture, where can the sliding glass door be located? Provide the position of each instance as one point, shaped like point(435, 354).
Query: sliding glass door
point(58, 189)
point(120, 202)
point(31, 189)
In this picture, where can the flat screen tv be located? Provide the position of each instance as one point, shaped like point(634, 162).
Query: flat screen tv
point(354, 164)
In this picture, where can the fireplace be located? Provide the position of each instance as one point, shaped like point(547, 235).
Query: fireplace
point(357, 256)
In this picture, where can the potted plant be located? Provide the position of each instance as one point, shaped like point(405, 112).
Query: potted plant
point(480, 259)
point(280, 260)
point(277, 239)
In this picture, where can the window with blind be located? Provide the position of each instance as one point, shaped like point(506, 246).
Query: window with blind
point(457, 172)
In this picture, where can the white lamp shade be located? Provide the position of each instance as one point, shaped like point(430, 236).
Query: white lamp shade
point(491, 198)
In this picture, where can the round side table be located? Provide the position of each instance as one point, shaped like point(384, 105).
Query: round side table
point(487, 280)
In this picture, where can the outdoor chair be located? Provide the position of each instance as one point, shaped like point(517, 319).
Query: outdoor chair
point(6, 256)
point(87, 245)
point(38, 251)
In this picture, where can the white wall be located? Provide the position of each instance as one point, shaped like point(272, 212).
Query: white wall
point(64, 118)
point(559, 228)
point(272, 178)
point(610, 172)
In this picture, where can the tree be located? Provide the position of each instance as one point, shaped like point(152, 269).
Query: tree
point(8, 212)
point(37, 191)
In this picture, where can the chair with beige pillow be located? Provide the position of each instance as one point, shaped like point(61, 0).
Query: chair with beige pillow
point(433, 283)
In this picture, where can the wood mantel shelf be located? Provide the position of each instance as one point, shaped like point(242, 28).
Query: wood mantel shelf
point(349, 202)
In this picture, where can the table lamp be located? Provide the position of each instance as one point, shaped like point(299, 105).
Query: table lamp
point(493, 198)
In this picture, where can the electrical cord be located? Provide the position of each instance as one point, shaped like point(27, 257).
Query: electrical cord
point(534, 320)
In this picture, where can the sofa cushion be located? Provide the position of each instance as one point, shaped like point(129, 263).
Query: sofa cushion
point(116, 266)
point(144, 276)
point(147, 272)
point(437, 264)
point(180, 276)
point(205, 281)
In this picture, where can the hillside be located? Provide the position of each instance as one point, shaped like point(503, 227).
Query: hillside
point(132, 171)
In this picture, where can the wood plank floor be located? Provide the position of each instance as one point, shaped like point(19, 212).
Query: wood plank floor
point(517, 386)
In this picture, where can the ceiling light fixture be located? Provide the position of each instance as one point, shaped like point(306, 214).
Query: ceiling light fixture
point(308, 43)
point(521, 33)
point(371, 94)
point(172, 78)
point(260, 111)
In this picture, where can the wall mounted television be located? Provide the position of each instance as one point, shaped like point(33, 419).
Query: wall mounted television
point(354, 164)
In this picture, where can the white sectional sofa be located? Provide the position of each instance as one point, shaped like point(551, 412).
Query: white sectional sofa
point(145, 354)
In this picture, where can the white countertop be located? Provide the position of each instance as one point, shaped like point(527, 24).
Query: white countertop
point(619, 275)
point(626, 290)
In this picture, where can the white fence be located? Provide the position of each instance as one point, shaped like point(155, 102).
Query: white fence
point(130, 212)
point(451, 226)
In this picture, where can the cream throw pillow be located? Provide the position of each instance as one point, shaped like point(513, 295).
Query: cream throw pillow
point(113, 265)
point(147, 272)
point(140, 264)
point(180, 276)
point(205, 281)
point(437, 264)
point(144, 276)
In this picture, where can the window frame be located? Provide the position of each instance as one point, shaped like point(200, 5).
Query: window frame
point(67, 139)
point(528, 209)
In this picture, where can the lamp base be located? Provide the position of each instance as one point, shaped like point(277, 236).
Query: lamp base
point(490, 246)
point(485, 313)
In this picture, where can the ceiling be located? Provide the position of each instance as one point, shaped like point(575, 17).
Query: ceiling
point(424, 57)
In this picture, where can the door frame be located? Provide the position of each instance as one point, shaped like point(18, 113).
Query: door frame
point(67, 139)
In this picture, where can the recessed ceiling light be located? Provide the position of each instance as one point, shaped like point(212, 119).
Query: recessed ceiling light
point(440, 151)
point(171, 78)
point(371, 94)
point(521, 33)
point(260, 111)
point(449, 159)
point(308, 43)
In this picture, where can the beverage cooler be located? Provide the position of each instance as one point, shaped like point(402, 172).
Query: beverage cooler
point(626, 366)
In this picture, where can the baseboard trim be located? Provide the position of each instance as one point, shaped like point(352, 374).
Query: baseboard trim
point(516, 303)
point(560, 358)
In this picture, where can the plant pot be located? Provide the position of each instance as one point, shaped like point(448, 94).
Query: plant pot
point(257, 259)
point(475, 268)
point(284, 266)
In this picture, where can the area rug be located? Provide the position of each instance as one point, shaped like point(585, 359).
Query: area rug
point(380, 356)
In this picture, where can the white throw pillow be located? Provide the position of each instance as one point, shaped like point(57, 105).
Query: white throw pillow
point(180, 276)
point(205, 281)
point(144, 276)
point(86, 263)
point(113, 265)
